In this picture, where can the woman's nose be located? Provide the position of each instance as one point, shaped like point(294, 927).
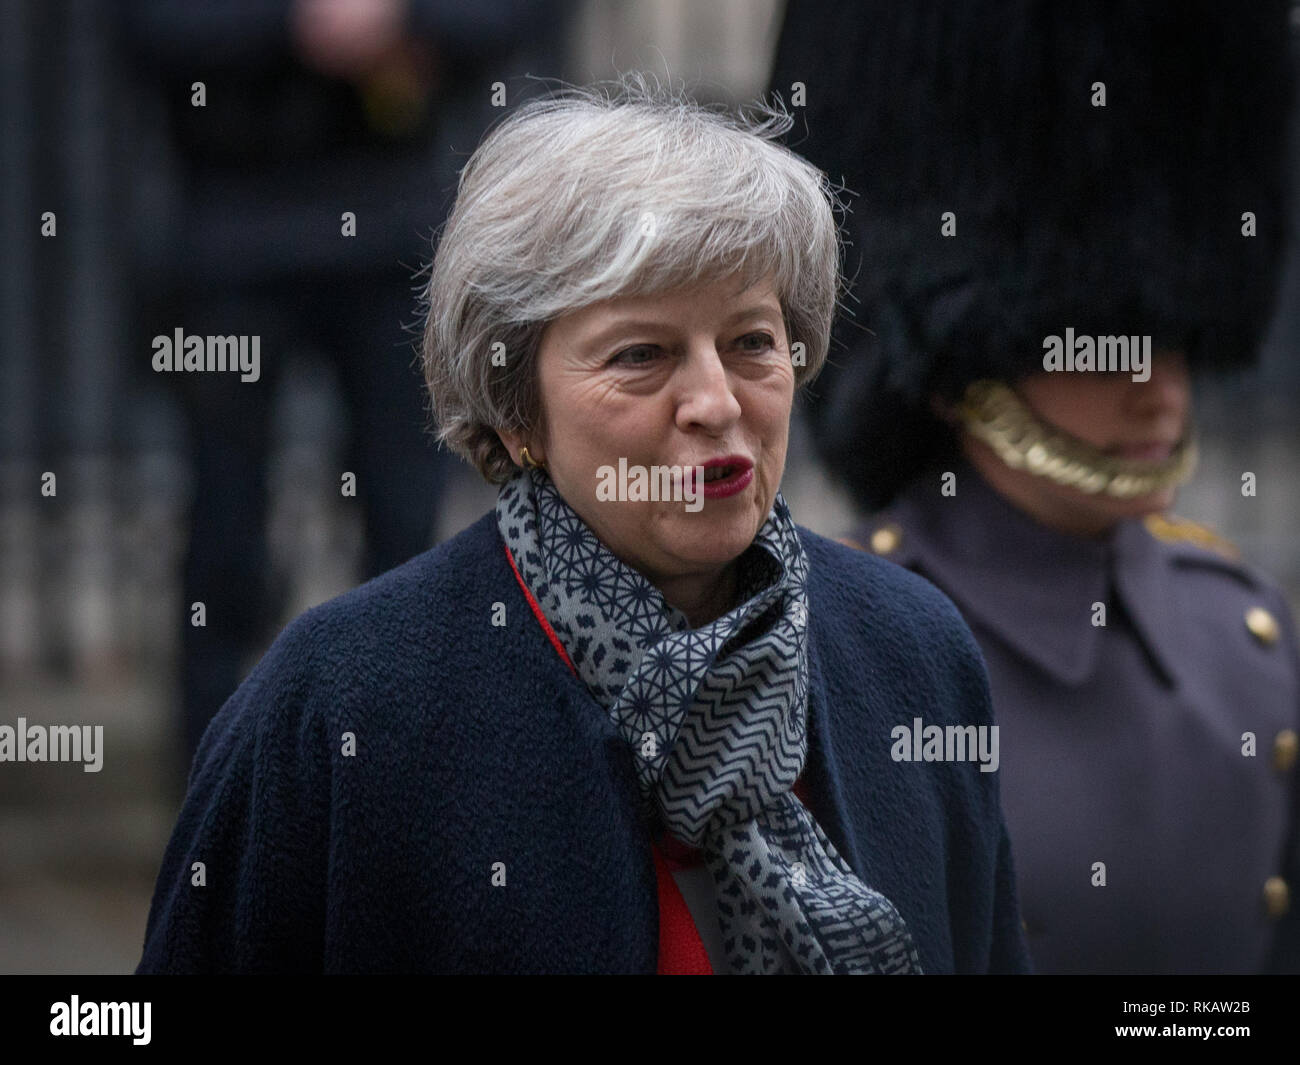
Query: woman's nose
point(705, 396)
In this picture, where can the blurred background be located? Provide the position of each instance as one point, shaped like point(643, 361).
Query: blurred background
point(129, 211)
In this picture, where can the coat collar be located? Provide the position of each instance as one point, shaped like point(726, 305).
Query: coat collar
point(1032, 586)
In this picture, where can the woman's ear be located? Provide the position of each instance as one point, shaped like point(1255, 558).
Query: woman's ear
point(515, 440)
point(514, 443)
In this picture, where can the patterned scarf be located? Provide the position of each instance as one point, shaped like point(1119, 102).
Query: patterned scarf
point(717, 721)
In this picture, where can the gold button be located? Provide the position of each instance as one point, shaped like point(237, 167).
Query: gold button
point(886, 539)
point(1277, 897)
point(1262, 625)
point(1285, 746)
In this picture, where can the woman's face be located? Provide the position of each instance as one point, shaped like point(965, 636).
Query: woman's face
point(1142, 420)
point(681, 379)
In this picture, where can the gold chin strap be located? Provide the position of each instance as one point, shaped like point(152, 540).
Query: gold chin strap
point(993, 413)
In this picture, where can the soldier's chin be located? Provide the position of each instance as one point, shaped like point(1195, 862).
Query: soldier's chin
point(1138, 507)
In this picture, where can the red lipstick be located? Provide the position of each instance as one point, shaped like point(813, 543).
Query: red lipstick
point(734, 477)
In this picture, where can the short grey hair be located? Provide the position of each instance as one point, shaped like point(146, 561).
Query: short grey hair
point(627, 189)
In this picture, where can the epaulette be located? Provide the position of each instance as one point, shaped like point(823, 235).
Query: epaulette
point(1175, 530)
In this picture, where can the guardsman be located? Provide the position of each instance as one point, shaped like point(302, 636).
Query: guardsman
point(1107, 179)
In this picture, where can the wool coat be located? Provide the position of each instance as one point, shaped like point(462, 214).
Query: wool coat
point(412, 780)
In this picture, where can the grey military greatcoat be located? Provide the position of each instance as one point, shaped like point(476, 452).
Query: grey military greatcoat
point(1147, 691)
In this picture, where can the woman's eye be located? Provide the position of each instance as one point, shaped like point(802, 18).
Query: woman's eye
point(635, 356)
point(758, 341)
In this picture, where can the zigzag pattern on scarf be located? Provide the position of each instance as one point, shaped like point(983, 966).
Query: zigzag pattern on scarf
point(739, 745)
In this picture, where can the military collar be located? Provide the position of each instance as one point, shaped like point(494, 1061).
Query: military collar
point(1143, 580)
point(1033, 587)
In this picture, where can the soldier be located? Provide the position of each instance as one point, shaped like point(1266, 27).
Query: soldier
point(1032, 178)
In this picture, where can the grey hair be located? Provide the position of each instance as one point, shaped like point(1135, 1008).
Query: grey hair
point(592, 194)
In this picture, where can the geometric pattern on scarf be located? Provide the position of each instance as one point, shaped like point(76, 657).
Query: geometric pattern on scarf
point(717, 721)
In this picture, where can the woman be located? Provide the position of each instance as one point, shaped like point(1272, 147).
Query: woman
point(1052, 184)
point(609, 728)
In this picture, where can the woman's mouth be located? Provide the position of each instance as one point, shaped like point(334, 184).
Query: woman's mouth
point(727, 477)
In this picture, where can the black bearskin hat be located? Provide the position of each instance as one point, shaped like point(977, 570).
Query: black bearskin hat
point(1122, 219)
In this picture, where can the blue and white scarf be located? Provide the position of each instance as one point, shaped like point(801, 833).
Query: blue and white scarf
point(717, 721)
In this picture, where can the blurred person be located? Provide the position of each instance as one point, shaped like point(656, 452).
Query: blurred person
point(1033, 179)
point(315, 141)
point(599, 731)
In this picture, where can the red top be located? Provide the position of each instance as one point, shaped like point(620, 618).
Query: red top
point(681, 951)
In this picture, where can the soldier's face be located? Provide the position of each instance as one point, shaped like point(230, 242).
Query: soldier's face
point(1141, 420)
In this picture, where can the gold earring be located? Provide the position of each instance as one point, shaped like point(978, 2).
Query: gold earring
point(528, 461)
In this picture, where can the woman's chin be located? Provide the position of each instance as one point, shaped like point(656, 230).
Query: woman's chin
point(710, 542)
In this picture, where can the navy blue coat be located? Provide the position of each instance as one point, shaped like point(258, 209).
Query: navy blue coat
point(478, 756)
